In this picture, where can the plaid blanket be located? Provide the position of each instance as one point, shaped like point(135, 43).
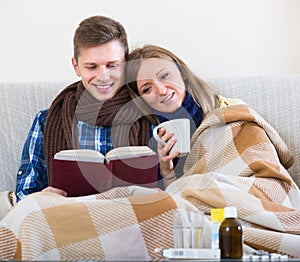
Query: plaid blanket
point(236, 159)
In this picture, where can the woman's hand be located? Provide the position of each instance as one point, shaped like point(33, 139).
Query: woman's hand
point(55, 190)
point(165, 158)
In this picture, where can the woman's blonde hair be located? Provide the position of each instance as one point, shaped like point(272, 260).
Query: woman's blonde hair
point(200, 91)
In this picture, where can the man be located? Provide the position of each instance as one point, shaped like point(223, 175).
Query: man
point(83, 114)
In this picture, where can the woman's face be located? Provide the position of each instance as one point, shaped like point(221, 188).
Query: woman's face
point(160, 84)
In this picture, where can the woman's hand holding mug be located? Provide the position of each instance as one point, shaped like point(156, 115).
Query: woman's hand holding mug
point(173, 139)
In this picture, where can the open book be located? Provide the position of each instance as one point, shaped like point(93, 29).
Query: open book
point(84, 171)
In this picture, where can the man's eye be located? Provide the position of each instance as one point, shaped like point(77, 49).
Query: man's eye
point(90, 67)
point(113, 65)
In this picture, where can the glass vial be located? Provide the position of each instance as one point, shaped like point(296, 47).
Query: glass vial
point(231, 235)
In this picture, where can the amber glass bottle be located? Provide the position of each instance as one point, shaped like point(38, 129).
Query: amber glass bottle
point(231, 235)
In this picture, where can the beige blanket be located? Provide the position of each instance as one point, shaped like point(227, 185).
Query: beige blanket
point(237, 159)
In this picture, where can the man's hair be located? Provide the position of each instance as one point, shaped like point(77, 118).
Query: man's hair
point(98, 30)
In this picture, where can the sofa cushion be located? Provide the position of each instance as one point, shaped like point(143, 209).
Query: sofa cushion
point(19, 103)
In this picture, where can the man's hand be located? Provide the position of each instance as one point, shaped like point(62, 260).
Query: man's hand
point(55, 190)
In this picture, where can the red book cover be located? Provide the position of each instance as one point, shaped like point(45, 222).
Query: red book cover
point(142, 171)
point(80, 178)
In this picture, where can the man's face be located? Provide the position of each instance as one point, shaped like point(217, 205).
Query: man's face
point(101, 69)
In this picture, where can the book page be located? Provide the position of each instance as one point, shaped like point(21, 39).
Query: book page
point(129, 152)
point(87, 155)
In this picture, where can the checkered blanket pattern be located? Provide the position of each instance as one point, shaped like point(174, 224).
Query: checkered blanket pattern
point(236, 159)
point(128, 227)
point(8, 244)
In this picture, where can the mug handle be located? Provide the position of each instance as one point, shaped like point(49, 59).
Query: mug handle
point(156, 137)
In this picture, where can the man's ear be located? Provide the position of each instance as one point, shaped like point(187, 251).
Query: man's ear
point(75, 66)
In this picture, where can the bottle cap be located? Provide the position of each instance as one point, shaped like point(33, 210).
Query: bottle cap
point(230, 212)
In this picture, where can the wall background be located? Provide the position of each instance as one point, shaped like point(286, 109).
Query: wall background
point(214, 37)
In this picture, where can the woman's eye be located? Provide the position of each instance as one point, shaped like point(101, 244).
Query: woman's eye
point(164, 76)
point(146, 90)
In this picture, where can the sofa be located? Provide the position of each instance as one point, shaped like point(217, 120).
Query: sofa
point(275, 98)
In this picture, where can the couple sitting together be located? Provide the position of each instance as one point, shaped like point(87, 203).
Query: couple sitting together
point(236, 159)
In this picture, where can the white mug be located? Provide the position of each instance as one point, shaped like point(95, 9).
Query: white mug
point(181, 129)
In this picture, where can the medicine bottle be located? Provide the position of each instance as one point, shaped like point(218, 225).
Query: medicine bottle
point(231, 235)
point(217, 217)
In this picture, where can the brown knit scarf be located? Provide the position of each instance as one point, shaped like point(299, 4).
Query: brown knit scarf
point(75, 104)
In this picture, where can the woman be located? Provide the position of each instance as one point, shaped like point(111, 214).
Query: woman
point(169, 90)
point(236, 159)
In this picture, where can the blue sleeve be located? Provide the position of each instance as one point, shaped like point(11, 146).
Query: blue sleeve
point(32, 174)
